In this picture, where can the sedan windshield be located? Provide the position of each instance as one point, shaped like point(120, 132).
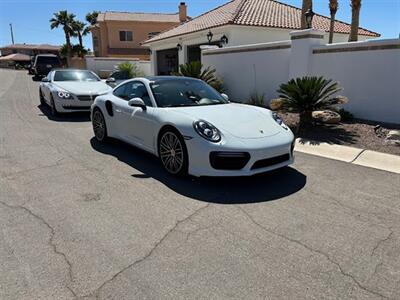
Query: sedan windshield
point(184, 92)
point(75, 75)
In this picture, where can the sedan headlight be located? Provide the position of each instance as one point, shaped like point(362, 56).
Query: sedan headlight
point(64, 95)
point(207, 131)
point(279, 120)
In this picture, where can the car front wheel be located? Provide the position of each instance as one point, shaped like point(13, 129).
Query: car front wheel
point(53, 108)
point(99, 126)
point(173, 153)
point(42, 102)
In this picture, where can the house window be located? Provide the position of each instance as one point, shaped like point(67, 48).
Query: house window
point(126, 36)
point(152, 34)
point(95, 42)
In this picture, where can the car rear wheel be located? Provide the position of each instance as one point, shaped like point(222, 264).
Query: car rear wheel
point(173, 153)
point(99, 126)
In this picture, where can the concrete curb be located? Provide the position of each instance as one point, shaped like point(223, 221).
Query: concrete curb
point(357, 156)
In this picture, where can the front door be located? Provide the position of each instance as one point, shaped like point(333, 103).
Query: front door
point(167, 61)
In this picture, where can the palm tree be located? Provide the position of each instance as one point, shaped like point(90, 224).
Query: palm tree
point(91, 18)
point(307, 4)
point(80, 29)
point(64, 19)
point(333, 7)
point(355, 20)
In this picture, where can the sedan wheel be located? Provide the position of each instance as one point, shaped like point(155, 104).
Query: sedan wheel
point(42, 102)
point(99, 126)
point(53, 108)
point(173, 154)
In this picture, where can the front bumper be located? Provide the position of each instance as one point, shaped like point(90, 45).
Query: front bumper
point(71, 105)
point(265, 154)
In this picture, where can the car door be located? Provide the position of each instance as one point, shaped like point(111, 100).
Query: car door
point(138, 125)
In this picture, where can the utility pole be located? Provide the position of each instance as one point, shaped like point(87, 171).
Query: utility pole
point(12, 34)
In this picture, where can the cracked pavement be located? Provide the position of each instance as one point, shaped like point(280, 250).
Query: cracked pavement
point(79, 220)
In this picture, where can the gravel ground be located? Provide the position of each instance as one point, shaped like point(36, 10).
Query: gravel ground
point(357, 133)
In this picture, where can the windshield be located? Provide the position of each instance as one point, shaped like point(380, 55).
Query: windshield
point(75, 75)
point(184, 92)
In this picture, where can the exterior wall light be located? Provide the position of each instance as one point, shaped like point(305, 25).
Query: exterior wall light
point(209, 36)
point(179, 47)
point(224, 40)
point(309, 17)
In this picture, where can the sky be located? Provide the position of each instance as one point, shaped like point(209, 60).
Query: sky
point(30, 18)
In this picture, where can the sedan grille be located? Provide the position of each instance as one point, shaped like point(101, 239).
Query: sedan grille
point(86, 97)
point(267, 162)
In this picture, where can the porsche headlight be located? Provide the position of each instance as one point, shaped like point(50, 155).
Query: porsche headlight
point(207, 131)
point(279, 120)
point(64, 95)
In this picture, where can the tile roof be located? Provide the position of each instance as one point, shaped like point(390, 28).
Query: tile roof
point(32, 47)
point(264, 13)
point(137, 16)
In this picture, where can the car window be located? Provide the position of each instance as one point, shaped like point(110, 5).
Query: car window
point(48, 60)
point(184, 92)
point(120, 92)
point(136, 89)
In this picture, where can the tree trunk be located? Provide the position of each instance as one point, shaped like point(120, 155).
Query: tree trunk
point(355, 20)
point(305, 120)
point(332, 27)
point(307, 4)
point(68, 42)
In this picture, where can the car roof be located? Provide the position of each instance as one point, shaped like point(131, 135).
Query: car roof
point(51, 55)
point(70, 69)
point(162, 78)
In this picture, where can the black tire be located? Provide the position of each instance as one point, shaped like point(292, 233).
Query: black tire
point(172, 152)
point(53, 108)
point(99, 126)
point(42, 102)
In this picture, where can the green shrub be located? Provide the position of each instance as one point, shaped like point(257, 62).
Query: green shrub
point(307, 94)
point(257, 99)
point(195, 69)
point(345, 115)
point(131, 69)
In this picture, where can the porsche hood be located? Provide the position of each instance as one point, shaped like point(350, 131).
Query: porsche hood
point(241, 121)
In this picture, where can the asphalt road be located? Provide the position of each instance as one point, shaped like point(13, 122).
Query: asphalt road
point(83, 220)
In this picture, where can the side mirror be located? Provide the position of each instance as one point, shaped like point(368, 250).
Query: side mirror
point(137, 102)
point(45, 79)
point(225, 96)
point(110, 80)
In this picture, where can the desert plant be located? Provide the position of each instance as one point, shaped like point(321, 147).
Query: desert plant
point(131, 69)
point(195, 69)
point(257, 99)
point(345, 115)
point(307, 94)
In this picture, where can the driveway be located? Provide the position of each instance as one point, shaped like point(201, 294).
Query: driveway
point(84, 220)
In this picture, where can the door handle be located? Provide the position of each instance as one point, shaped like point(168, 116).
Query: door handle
point(118, 110)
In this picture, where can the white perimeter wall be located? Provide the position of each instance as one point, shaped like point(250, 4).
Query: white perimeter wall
point(368, 71)
point(253, 68)
point(105, 65)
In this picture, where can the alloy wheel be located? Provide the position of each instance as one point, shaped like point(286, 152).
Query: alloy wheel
point(99, 126)
point(171, 152)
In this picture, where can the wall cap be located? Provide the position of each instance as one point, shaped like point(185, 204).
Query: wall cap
point(307, 33)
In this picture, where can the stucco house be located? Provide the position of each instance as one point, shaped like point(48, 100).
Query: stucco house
point(29, 49)
point(237, 22)
point(119, 34)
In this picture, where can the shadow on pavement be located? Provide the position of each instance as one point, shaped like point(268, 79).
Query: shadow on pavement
point(223, 190)
point(66, 117)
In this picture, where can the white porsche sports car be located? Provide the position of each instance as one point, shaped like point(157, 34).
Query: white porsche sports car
point(68, 90)
point(192, 128)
